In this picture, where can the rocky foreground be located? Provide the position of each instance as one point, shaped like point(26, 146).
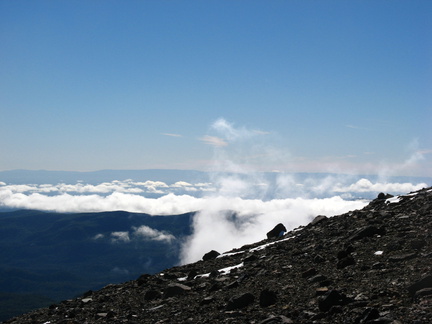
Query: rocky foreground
point(367, 266)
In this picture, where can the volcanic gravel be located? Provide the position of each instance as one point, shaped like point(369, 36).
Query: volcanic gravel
point(367, 266)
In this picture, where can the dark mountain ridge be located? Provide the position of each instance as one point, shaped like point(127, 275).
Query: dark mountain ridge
point(47, 257)
point(366, 266)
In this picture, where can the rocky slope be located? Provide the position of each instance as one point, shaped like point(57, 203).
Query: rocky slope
point(367, 266)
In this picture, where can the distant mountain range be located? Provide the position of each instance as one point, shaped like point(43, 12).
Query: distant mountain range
point(44, 176)
point(165, 175)
point(47, 257)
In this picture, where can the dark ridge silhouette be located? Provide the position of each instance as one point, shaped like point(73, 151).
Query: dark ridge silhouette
point(47, 257)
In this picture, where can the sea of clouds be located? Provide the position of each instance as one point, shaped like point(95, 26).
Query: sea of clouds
point(235, 204)
point(214, 226)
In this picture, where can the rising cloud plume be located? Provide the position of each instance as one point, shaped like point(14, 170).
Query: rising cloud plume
point(240, 211)
point(237, 204)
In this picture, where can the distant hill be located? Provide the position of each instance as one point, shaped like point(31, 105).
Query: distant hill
point(165, 175)
point(366, 266)
point(46, 257)
point(93, 177)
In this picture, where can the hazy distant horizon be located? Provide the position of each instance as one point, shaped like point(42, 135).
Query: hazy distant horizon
point(173, 175)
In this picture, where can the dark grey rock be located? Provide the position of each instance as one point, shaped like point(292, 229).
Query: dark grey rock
point(317, 278)
point(423, 292)
point(207, 300)
point(318, 259)
point(280, 319)
point(309, 273)
point(175, 290)
point(152, 294)
point(368, 315)
point(277, 231)
point(214, 274)
point(332, 298)
point(267, 298)
point(418, 244)
point(241, 301)
point(425, 282)
point(192, 274)
point(318, 219)
point(367, 231)
point(210, 255)
point(345, 262)
point(401, 257)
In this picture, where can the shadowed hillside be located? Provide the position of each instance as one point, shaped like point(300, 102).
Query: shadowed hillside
point(48, 257)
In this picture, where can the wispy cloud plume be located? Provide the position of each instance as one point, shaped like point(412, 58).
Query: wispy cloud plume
point(231, 133)
point(171, 135)
point(120, 237)
point(248, 221)
point(213, 141)
point(238, 205)
point(416, 160)
point(237, 212)
point(355, 127)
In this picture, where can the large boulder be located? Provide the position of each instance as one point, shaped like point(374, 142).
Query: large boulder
point(278, 231)
point(241, 301)
point(210, 255)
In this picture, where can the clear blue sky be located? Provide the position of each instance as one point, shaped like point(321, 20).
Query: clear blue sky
point(342, 85)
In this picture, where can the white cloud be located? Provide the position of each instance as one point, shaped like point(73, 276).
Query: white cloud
point(294, 203)
point(171, 134)
point(181, 184)
point(120, 237)
point(153, 184)
point(213, 141)
point(22, 188)
point(355, 127)
point(169, 204)
point(148, 233)
point(216, 229)
point(241, 190)
point(231, 133)
point(141, 233)
point(365, 185)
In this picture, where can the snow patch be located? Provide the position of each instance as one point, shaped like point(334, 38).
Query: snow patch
point(393, 200)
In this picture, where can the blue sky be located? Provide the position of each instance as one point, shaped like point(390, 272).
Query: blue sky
point(270, 85)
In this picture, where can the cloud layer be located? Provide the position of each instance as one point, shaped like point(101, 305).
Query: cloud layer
point(236, 206)
point(181, 196)
point(231, 211)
